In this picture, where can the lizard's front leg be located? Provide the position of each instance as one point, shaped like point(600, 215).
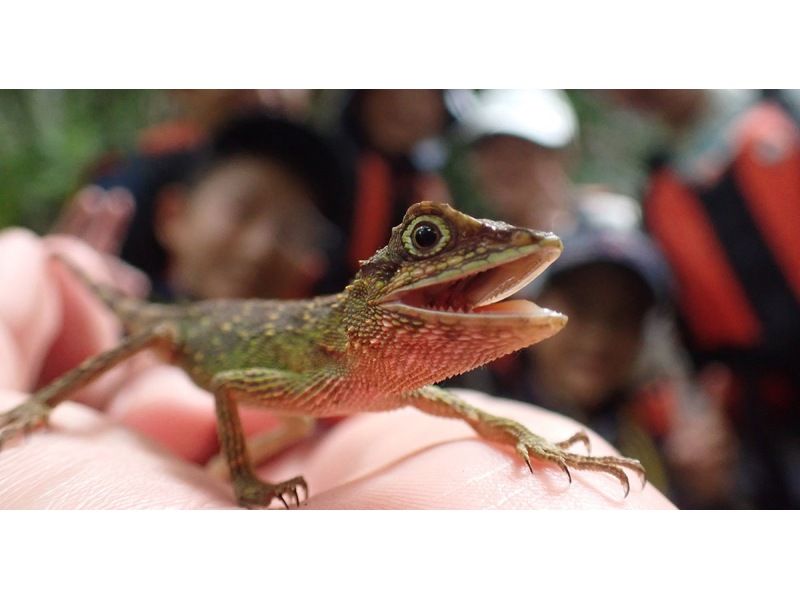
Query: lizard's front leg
point(438, 401)
point(290, 430)
point(258, 385)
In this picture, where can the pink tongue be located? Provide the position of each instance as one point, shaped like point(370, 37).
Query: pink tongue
point(516, 306)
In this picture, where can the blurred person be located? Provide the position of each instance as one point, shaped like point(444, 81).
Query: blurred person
point(159, 160)
point(609, 283)
point(250, 218)
point(392, 141)
point(616, 366)
point(245, 215)
point(519, 144)
point(723, 202)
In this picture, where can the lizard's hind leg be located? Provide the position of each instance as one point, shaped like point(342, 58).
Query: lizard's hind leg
point(34, 412)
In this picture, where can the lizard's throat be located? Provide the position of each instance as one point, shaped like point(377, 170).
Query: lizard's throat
point(436, 329)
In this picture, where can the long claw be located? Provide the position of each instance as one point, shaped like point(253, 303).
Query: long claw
point(620, 474)
point(283, 500)
point(566, 471)
point(631, 464)
point(522, 451)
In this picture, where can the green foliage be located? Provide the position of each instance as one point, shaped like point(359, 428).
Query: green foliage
point(614, 143)
point(49, 140)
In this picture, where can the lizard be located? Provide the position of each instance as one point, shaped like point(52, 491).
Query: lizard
point(432, 304)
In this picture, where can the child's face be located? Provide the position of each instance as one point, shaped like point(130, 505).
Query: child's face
point(524, 183)
point(395, 120)
point(248, 229)
point(594, 355)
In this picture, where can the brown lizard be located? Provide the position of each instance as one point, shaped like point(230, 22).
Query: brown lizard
point(426, 307)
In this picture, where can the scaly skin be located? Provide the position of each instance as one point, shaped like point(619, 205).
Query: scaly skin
point(421, 310)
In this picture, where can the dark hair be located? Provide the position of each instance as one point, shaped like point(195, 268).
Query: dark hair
point(297, 148)
point(146, 176)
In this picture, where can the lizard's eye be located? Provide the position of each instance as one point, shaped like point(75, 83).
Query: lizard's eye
point(426, 235)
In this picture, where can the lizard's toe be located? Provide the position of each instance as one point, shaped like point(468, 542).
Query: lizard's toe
point(557, 454)
point(580, 436)
point(252, 493)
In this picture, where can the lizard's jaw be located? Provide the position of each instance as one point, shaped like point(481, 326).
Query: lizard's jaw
point(473, 295)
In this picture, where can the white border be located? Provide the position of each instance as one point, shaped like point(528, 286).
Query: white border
point(466, 44)
point(398, 553)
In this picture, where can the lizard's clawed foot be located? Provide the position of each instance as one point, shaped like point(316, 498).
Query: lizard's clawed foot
point(22, 419)
point(530, 445)
point(255, 494)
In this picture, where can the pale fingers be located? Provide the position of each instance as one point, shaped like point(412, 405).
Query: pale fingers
point(30, 306)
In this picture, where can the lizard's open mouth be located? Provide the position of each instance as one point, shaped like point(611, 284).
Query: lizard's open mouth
point(476, 291)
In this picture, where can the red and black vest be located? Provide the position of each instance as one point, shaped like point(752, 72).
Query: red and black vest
point(733, 242)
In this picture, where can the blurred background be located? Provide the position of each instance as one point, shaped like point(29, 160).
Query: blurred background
point(50, 140)
point(679, 209)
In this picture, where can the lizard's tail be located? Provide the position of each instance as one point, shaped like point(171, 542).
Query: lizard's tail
point(135, 314)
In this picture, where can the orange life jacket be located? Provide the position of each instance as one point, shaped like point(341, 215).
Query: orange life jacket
point(733, 241)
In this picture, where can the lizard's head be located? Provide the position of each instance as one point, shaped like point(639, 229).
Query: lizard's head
point(442, 280)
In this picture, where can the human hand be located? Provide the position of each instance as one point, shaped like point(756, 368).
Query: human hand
point(144, 449)
point(100, 218)
point(702, 450)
